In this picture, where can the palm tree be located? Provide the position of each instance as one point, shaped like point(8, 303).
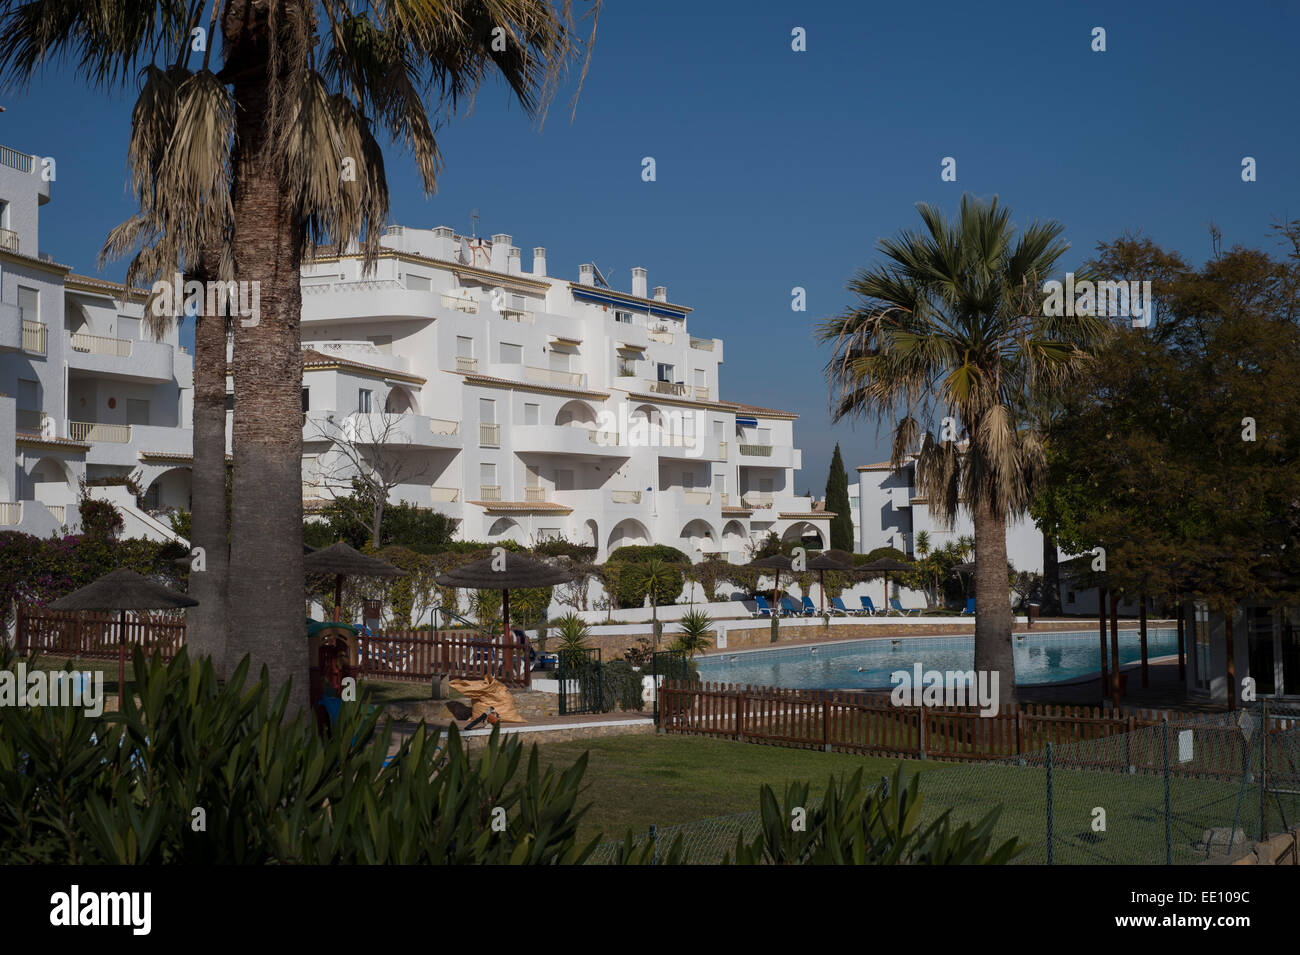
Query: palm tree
point(302, 89)
point(922, 547)
point(951, 326)
point(652, 577)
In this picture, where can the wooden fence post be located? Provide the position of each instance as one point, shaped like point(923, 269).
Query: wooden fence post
point(740, 715)
point(826, 723)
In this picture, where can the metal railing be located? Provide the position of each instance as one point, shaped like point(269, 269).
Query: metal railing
point(757, 450)
point(489, 435)
point(15, 159)
point(668, 387)
point(36, 337)
point(100, 345)
point(95, 431)
point(489, 492)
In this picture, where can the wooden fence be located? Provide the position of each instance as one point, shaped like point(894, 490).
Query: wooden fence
point(864, 723)
point(402, 655)
point(94, 635)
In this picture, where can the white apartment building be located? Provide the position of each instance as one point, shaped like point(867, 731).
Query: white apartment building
point(85, 390)
point(890, 512)
point(527, 406)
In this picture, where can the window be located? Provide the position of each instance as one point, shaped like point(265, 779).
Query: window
point(664, 372)
point(306, 400)
point(487, 475)
point(29, 301)
point(464, 347)
point(137, 411)
point(532, 413)
point(626, 367)
point(363, 401)
point(511, 354)
point(623, 317)
point(128, 327)
point(487, 411)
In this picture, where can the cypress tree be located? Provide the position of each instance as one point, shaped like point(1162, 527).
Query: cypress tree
point(837, 502)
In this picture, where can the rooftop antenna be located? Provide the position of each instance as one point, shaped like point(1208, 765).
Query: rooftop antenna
point(473, 223)
point(599, 276)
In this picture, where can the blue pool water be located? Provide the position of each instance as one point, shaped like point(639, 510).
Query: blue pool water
point(1040, 658)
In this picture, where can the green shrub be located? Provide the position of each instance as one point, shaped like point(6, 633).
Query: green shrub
point(123, 788)
point(625, 582)
point(622, 686)
point(572, 631)
point(854, 825)
point(640, 553)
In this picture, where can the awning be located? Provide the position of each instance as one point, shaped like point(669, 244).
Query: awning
point(746, 422)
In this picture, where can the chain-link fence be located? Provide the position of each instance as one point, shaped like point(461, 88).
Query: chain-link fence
point(1177, 793)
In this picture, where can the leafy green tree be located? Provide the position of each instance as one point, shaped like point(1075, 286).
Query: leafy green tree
point(837, 501)
point(947, 341)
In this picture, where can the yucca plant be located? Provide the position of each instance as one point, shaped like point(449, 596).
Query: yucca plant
point(573, 633)
point(693, 636)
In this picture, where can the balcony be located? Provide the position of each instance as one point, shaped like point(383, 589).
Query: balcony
point(701, 392)
point(757, 498)
point(676, 388)
point(9, 240)
point(535, 495)
point(383, 429)
point(661, 334)
point(555, 378)
point(702, 344)
point(36, 337)
point(697, 498)
point(11, 513)
point(460, 303)
point(367, 300)
point(59, 511)
point(92, 432)
point(489, 492)
point(468, 365)
point(756, 450)
point(444, 495)
point(625, 497)
point(99, 345)
point(566, 440)
point(489, 436)
point(33, 422)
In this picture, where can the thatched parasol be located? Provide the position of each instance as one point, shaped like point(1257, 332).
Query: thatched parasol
point(884, 566)
point(123, 590)
point(776, 563)
point(341, 560)
point(505, 573)
point(829, 560)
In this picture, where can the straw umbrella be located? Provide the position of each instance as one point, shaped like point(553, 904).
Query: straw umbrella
point(341, 560)
point(504, 573)
point(829, 560)
point(884, 566)
point(123, 590)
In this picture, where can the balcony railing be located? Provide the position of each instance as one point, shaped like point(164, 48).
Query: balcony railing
point(702, 344)
point(460, 303)
point(15, 160)
point(702, 392)
point(535, 495)
point(99, 345)
point(517, 315)
point(59, 512)
point(757, 499)
point(489, 492)
point(11, 513)
point(444, 495)
point(606, 439)
point(489, 435)
point(660, 334)
point(668, 388)
point(443, 426)
point(9, 240)
point(625, 497)
point(757, 450)
point(33, 422)
point(94, 431)
point(552, 376)
point(466, 364)
point(36, 337)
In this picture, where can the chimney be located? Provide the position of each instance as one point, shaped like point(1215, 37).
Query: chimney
point(500, 250)
point(513, 262)
point(661, 293)
point(638, 282)
point(586, 275)
point(539, 261)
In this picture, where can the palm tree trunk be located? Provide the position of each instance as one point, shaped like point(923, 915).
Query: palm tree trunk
point(993, 619)
point(206, 630)
point(266, 587)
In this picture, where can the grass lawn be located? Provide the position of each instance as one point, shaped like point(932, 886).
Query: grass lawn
point(635, 781)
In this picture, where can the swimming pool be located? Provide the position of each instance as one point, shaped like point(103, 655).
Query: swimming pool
point(1047, 657)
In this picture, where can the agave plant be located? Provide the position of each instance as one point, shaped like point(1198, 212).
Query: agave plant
point(693, 638)
point(573, 633)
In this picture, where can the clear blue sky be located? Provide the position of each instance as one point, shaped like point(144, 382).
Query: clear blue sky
point(779, 169)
